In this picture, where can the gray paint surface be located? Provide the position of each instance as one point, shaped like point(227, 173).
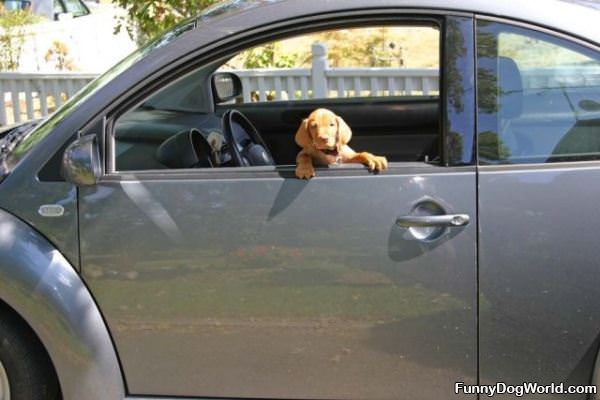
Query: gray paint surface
point(279, 288)
point(538, 272)
point(40, 284)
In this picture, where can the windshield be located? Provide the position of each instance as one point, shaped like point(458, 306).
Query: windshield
point(75, 7)
point(20, 146)
point(28, 139)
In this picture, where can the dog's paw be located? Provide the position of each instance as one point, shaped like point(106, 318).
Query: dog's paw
point(305, 171)
point(376, 163)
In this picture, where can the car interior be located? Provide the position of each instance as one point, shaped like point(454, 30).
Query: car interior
point(200, 121)
point(533, 125)
point(538, 122)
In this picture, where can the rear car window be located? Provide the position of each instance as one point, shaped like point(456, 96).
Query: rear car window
point(538, 97)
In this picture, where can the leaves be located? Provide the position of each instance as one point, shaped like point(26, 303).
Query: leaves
point(12, 37)
point(59, 54)
point(265, 57)
point(146, 19)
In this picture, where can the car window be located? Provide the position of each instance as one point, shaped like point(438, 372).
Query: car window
point(74, 7)
point(343, 63)
point(58, 7)
point(383, 81)
point(538, 97)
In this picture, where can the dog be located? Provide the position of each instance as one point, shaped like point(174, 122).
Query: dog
point(324, 139)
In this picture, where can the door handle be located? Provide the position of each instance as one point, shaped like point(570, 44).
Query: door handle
point(448, 220)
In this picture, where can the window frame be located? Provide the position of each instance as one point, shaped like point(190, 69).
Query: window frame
point(65, 9)
point(338, 20)
point(555, 34)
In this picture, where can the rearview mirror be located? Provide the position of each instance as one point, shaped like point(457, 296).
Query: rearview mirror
point(81, 161)
point(226, 86)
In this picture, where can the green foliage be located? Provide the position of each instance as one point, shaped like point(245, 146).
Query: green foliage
point(146, 19)
point(377, 52)
point(457, 48)
point(264, 57)
point(12, 37)
point(372, 50)
point(492, 148)
point(340, 47)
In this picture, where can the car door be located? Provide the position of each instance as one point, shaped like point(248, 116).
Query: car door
point(250, 283)
point(539, 130)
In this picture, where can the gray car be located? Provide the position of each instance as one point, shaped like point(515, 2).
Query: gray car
point(155, 243)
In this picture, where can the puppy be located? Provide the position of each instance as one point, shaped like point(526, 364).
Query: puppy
point(324, 139)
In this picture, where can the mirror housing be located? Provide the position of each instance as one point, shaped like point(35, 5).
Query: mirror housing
point(225, 86)
point(81, 161)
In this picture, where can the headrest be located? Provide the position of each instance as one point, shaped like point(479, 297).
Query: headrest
point(186, 149)
point(507, 87)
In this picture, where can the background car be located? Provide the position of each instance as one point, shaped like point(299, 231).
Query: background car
point(135, 261)
point(52, 9)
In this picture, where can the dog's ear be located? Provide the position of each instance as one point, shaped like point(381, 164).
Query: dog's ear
point(303, 136)
point(344, 132)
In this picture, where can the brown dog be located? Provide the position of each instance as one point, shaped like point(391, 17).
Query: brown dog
point(324, 139)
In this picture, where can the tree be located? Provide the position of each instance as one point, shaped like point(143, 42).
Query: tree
point(268, 56)
point(146, 19)
point(12, 37)
point(59, 54)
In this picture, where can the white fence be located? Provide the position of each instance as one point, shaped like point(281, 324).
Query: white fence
point(30, 96)
point(288, 84)
point(320, 81)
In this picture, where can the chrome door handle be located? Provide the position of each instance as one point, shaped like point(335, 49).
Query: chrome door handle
point(448, 220)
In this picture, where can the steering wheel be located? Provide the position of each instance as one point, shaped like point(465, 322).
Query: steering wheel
point(245, 144)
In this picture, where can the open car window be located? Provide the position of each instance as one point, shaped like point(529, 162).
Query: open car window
point(381, 80)
point(382, 61)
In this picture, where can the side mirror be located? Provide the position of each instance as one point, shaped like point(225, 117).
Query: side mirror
point(81, 161)
point(225, 86)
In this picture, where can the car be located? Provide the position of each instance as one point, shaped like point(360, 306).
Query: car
point(155, 242)
point(54, 9)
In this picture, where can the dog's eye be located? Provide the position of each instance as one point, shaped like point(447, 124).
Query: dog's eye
point(332, 124)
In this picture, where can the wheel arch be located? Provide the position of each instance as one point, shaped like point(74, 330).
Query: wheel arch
point(39, 353)
point(40, 285)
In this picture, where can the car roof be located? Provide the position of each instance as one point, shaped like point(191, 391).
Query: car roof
point(586, 3)
point(574, 17)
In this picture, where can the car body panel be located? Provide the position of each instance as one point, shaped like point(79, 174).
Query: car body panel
point(139, 282)
point(277, 287)
point(539, 282)
point(46, 291)
point(537, 271)
point(23, 194)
